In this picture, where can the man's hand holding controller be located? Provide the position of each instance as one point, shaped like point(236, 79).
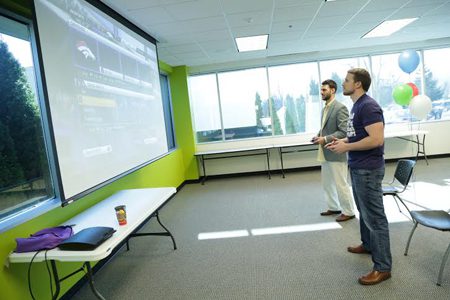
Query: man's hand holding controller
point(318, 140)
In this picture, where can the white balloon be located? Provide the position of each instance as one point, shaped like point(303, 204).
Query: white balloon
point(420, 106)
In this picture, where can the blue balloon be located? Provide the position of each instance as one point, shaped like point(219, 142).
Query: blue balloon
point(408, 61)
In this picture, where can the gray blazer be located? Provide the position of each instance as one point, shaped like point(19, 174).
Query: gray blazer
point(335, 125)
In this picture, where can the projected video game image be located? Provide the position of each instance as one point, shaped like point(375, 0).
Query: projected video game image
point(104, 93)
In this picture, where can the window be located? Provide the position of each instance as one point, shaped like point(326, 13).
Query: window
point(295, 96)
point(243, 96)
point(386, 74)
point(437, 82)
point(205, 108)
point(165, 95)
point(244, 110)
point(24, 171)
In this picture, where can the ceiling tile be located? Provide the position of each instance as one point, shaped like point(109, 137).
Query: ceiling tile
point(210, 35)
point(290, 26)
point(190, 55)
point(218, 46)
point(151, 16)
point(201, 32)
point(250, 30)
point(294, 13)
point(194, 9)
point(385, 4)
point(190, 26)
point(284, 36)
point(250, 18)
point(184, 48)
point(332, 22)
point(341, 7)
point(287, 3)
point(239, 6)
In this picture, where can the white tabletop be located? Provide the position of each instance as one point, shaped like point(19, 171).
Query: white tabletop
point(401, 133)
point(140, 204)
point(221, 151)
point(295, 144)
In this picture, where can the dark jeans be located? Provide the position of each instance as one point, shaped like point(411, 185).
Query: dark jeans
point(368, 195)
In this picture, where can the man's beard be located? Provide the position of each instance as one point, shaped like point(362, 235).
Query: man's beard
point(326, 97)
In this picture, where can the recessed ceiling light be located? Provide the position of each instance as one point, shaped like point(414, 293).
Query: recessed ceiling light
point(252, 43)
point(388, 27)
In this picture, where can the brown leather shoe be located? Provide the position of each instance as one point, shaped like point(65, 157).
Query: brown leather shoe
point(374, 277)
point(343, 218)
point(358, 249)
point(330, 212)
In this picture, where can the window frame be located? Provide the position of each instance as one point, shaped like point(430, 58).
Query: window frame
point(29, 212)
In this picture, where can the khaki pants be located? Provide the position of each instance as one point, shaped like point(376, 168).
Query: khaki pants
point(336, 189)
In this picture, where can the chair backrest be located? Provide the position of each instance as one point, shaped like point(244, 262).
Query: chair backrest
point(404, 171)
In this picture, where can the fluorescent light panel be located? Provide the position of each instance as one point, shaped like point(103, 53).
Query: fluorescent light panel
point(388, 27)
point(252, 43)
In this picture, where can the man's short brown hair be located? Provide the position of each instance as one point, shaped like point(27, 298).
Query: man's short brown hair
point(331, 83)
point(361, 75)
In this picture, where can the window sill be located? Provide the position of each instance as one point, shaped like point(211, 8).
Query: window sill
point(28, 214)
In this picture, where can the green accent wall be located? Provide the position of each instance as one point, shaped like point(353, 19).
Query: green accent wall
point(167, 171)
point(182, 119)
point(171, 170)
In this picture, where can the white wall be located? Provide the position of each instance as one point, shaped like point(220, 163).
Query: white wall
point(436, 142)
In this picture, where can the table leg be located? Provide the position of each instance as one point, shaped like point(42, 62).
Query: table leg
point(59, 280)
point(268, 161)
point(423, 148)
point(171, 236)
point(281, 160)
point(91, 281)
point(167, 233)
point(203, 167)
point(56, 278)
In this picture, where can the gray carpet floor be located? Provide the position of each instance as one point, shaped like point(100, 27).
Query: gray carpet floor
point(310, 264)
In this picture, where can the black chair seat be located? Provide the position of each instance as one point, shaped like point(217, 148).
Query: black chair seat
point(437, 219)
point(390, 190)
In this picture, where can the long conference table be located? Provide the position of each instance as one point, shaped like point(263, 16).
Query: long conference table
point(141, 205)
point(416, 137)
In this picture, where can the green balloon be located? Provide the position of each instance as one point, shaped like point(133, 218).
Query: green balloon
point(402, 94)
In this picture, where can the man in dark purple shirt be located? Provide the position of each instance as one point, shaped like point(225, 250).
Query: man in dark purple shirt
point(365, 146)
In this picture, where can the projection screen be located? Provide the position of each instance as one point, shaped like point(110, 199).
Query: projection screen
point(103, 91)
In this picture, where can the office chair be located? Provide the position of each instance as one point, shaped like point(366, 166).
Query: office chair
point(399, 183)
point(437, 219)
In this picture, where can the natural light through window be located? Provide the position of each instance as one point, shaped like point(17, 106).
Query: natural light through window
point(268, 231)
point(295, 228)
point(222, 234)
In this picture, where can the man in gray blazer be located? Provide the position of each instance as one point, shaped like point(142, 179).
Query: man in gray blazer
point(333, 165)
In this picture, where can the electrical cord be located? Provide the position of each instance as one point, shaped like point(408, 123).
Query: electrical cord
point(49, 274)
point(46, 265)
point(48, 270)
point(29, 274)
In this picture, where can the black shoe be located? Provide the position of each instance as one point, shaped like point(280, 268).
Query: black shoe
point(330, 212)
